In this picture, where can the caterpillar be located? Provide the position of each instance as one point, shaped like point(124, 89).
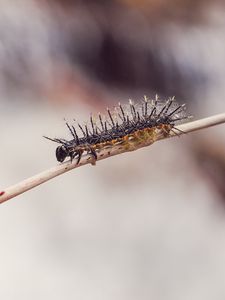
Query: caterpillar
point(127, 127)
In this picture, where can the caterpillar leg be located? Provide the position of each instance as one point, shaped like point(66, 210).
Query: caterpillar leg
point(79, 156)
point(72, 156)
point(93, 153)
point(95, 157)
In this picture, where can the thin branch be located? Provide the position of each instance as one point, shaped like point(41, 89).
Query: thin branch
point(40, 178)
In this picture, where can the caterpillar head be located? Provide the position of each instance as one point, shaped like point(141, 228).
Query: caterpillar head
point(61, 153)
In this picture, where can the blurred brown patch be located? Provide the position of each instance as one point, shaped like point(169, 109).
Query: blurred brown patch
point(210, 157)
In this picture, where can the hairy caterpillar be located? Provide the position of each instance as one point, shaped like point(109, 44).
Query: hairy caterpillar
point(128, 126)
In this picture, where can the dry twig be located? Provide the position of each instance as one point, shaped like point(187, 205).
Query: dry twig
point(40, 178)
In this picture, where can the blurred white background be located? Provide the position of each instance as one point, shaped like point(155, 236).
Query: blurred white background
point(142, 225)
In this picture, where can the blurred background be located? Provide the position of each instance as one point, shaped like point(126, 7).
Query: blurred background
point(142, 225)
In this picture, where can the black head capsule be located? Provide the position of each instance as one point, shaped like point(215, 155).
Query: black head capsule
point(61, 153)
